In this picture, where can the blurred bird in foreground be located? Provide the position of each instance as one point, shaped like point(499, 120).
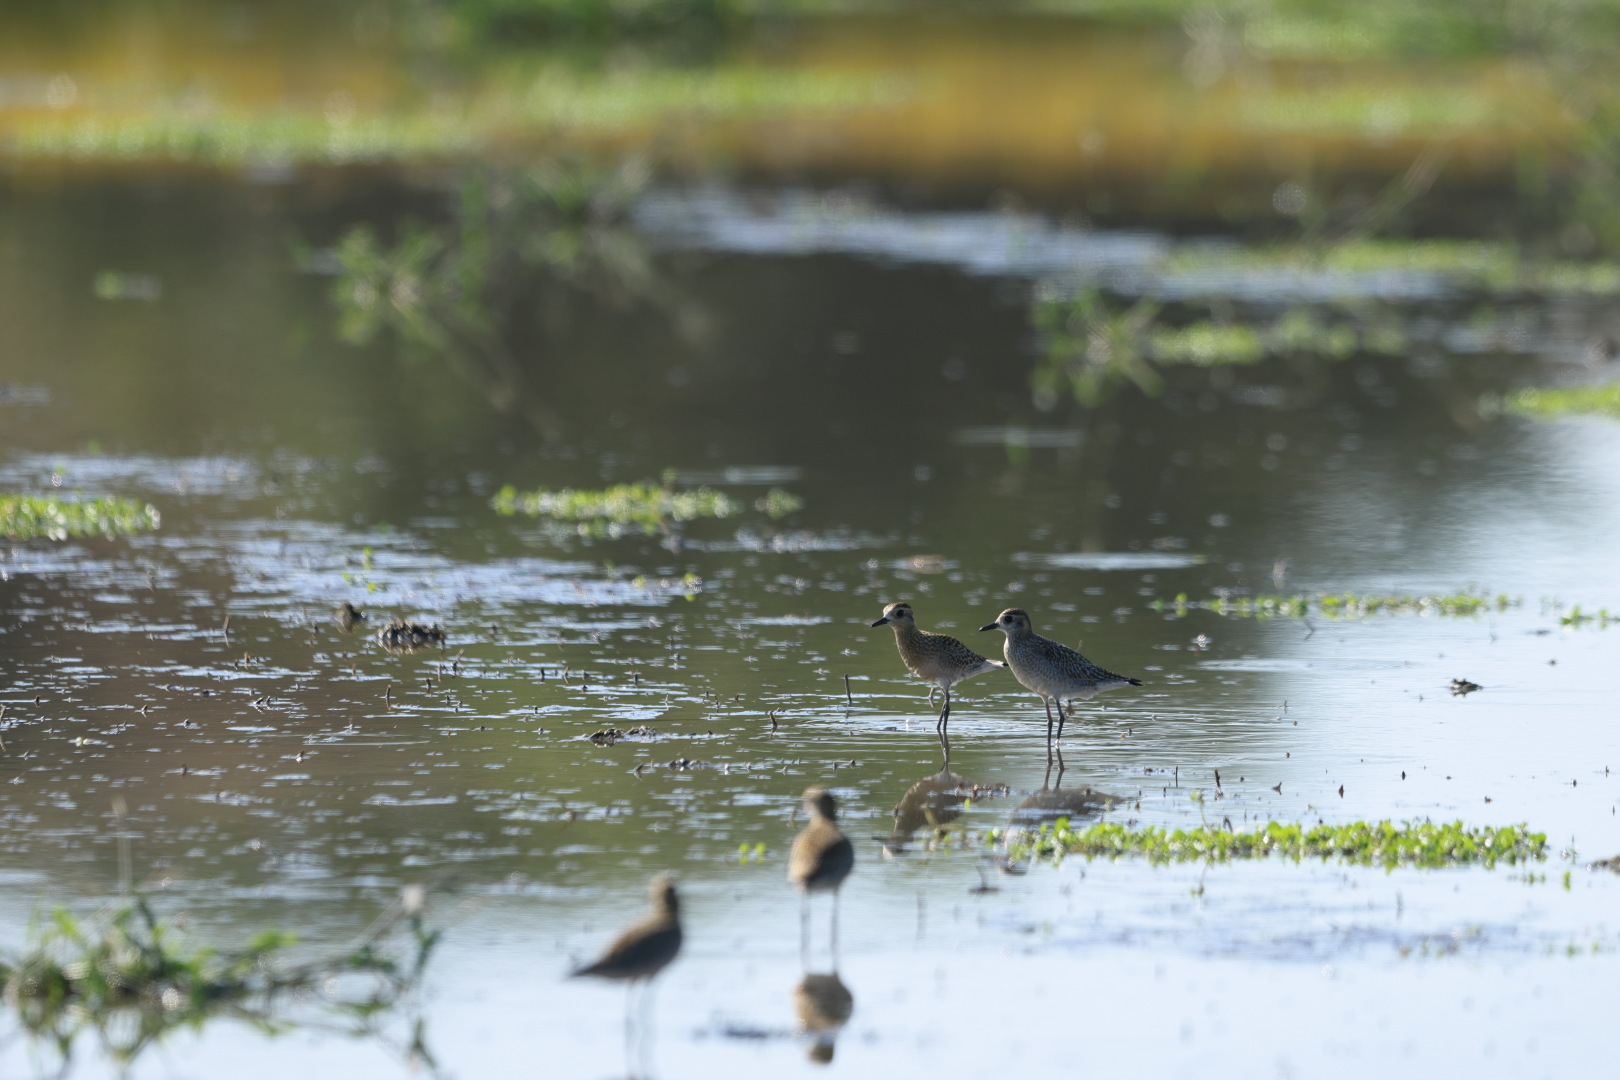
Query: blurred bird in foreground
point(820, 860)
point(641, 952)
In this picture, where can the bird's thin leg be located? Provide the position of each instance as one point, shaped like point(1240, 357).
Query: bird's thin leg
point(1060, 767)
point(646, 1028)
point(835, 930)
point(945, 713)
point(945, 749)
point(1061, 717)
point(804, 931)
point(1048, 703)
point(629, 1026)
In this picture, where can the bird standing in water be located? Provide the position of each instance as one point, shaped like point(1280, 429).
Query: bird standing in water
point(1052, 670)
point(937, 659)
point(641, 952)
point(819, 861)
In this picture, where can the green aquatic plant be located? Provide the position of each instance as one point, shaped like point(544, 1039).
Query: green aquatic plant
point(25, 517)
point(521, 243)
point(1602, 399)
point(133, 977)
point(1344, 605)
point(649, 506)
point(1358, 843)
point(1497, 266)
point(1088, 348)
point(1578, 618)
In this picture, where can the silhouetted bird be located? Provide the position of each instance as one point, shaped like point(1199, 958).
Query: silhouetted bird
point(646, 948)
point(641, 952)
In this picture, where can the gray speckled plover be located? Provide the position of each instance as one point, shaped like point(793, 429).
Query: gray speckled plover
point(1052, 670)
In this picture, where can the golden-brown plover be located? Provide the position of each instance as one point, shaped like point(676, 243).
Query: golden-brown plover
point(1052, 670)
point(937, 659)
point(820, 859)
point(643, 950)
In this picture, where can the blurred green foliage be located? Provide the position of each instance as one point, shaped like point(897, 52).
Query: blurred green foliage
point(26, 517)
point(521, 243)
point(132, 978)
point(648, 507)
point(1602, 399)
point(1337, 605)
point(1088, 349)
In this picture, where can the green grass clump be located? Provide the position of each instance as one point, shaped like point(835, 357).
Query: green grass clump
point(24, 517)
point(1603, 399)
point(1090, 346)
point(1358, 843)
point(131, 959)
point(649, 506)
point(1578, 618)
point(1337, 605)
point(133, 978)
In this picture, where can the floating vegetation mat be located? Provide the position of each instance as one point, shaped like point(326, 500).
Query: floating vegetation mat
point(1337, 605)
point(1359, 843)
point(648, 507)
point(24, 517)
point(1603, 399)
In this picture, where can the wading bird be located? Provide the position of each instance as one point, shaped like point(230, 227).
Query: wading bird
point(820, 860)
point(1052, 670)
point(937, 659)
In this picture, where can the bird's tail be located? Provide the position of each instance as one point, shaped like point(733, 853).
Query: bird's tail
point(1125, 680)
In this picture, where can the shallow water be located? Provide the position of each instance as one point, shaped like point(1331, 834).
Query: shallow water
point(277, 771)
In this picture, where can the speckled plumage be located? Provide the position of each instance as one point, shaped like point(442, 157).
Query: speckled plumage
point(646, 948)
point(1053, 670)
point(937, 659)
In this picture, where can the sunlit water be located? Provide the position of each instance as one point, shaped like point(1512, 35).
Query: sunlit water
point(277, 771)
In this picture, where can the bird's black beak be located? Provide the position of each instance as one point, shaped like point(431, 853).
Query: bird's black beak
point(882, 622)
point(982, 629)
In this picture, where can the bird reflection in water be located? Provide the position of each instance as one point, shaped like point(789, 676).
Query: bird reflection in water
point(824, 1005)
point(1054, 801)
point(933, 803)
